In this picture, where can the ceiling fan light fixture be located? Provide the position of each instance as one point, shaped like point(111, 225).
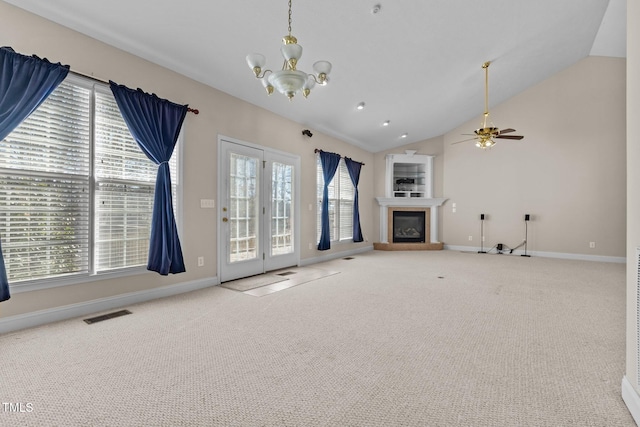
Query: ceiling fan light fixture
point(289, 80)
point(487, 131)
point(485, 143)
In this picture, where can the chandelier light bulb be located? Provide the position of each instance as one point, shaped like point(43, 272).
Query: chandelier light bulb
point(268, 86)
point(310, 84)
point(256, 61)
point(322, 69)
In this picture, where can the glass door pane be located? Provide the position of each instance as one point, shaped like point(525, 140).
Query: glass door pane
point(244, 207)
point(281, 209)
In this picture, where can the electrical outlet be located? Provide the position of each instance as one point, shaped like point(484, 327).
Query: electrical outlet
point(200, 261)
point(470, 238)
point(310, 245)
point(592, 245)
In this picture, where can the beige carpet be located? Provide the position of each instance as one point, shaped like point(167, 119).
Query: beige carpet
point(395, 339)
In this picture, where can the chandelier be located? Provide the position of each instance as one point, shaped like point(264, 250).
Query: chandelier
point(288, 81)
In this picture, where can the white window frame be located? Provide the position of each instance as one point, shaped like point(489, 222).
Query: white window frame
point(92, 275)
point(339, 185)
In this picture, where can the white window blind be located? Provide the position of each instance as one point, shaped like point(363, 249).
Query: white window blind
point(124, 190)
point(341, 194)
point(44, 189)
point(76, 191)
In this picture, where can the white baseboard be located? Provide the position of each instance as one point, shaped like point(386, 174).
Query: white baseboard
point(559, 255)
point(335, 255)
point(631, 399)
point(37, 318)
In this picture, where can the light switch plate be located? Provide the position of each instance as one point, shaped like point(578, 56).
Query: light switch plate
point(207, 203)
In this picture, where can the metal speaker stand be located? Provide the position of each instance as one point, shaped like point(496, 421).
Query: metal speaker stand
point(526, 221)
point(482, 251)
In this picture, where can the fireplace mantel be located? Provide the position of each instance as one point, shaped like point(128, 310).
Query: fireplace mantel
point(408, 202)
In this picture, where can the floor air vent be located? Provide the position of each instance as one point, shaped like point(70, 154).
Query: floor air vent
point(107, 316)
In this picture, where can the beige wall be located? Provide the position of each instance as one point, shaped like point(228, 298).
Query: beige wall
point(220, 114)
point(633, 184)
point(568, 172)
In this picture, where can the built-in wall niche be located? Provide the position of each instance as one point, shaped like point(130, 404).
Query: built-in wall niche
point(409, 175)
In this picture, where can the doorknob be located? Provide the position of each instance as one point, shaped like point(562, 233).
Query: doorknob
point(225, 219)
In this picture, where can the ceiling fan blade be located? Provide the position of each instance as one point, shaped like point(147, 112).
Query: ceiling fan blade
point(510, 137)
point(464, 140)
point(506, 130)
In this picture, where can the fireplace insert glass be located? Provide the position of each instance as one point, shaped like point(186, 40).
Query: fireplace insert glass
point(408, 227)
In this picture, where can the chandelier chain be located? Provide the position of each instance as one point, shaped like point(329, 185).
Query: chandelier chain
point(289, 17)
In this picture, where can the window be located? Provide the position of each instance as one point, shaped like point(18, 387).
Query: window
point(341, 194)
point(76, 192)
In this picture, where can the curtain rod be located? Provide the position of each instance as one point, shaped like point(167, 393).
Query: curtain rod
point(77, 73)
point(318, 150)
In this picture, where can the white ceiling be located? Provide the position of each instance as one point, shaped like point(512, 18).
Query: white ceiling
point(416, 63)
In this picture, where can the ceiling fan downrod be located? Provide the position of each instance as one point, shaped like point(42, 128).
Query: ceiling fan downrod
point(486, 92)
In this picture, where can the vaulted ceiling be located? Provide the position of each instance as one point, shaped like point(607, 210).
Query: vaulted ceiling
point(414, 63)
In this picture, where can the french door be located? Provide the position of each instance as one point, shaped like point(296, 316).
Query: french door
point(258, 210)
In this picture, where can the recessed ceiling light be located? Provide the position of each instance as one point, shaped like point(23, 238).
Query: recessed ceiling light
point(376, 9)
point(360, 106)
point(386, 123)
point(404, 135)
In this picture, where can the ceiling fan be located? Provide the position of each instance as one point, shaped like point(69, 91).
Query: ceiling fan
point(486, 135)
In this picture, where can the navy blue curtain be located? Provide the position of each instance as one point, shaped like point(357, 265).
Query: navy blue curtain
point(354, 173)
point(25, 82)
point(329, 162)
point(155, 125)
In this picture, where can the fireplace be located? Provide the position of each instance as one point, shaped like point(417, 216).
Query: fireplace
point(408, 226)
point(389, 206)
